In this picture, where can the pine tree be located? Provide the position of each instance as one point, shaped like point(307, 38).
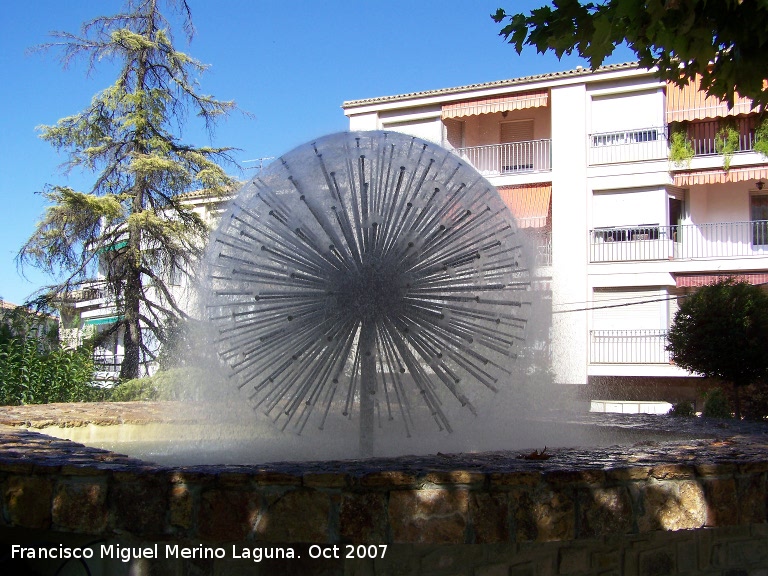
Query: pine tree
point(133, 219)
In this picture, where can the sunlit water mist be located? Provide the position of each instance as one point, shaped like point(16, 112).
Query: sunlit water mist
point(369, 277)
point(369, 294)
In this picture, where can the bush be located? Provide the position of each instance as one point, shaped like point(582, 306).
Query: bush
point(761, 138)
point(755, 401)
point(720, 331)
point(716, 404)
point(32, 374)
point(727, 141)
point(681, 148)
point(173, 384)
point(682, 409)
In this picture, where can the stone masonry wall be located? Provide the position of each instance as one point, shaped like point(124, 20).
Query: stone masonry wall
point(55, 484)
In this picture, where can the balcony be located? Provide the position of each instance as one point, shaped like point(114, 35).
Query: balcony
point(106, 366)
point(511, 158)
point(704, 136)
point(682, 242)
point(87, 294)
point(539, 238)
point(636, 145)
point(628, 347)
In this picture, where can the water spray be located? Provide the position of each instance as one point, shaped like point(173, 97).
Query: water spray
point(372, 275)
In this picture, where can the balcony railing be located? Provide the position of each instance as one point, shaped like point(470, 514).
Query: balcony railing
point(511, 158)
point(539, 236)
point(94, 291)
point(634, 145)
point(628, 347)
point(683, 242)
point(704, 136)
point(107, 366)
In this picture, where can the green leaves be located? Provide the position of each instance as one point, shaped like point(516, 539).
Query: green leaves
point(131, 41)
point(725, 42)
point(30, 374)
point(129, 136)
point(727, 141)
point(761, 137)
point(721, 331)
point(681, 150)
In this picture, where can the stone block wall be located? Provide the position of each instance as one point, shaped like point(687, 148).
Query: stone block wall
point(699, 508)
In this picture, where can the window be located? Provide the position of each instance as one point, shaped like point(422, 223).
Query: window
point(675, 217)
point(516, 131)
point(758, 209)
point(517, 139)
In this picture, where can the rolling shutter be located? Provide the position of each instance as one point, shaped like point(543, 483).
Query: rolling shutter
point(628, 309)
point(517, 131)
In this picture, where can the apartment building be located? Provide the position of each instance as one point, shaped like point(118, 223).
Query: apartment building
point(634, 192)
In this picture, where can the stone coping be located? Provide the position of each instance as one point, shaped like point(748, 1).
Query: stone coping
point(77, 414)
point(487, 498)
point(34, 451)
point(717, 478)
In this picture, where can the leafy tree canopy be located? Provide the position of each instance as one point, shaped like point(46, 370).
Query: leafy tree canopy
point(721, 331)
point(133, 224)
point(723, 41)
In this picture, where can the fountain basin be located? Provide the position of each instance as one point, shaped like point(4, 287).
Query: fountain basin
point(579, 507)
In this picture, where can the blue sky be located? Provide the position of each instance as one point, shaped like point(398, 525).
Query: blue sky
point(290, 65)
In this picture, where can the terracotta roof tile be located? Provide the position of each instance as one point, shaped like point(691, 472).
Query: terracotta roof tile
point(495, 84)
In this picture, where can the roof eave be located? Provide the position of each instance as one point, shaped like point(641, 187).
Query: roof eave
point(458, 91)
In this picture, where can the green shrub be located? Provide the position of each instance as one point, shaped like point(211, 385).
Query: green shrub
point(680, 148)
point(755, 401)
point(172, 384)
point(682, 409)
point(727, 142)
point(33, 374)
point(720, 332)
point(761, 138)
point(716, 404)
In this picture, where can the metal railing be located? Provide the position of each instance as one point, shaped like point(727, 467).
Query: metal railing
point(94, 291)
point(628, 347)
point(683, 242)
point(107, 366)
point(510, 158)
point(540, 239)
point(634, 145)
point(704, 136)
point(537, 232)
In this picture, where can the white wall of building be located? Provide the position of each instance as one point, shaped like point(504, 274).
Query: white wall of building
point(363, 122)
point(569, 221)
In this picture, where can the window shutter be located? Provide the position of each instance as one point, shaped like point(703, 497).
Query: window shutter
point(628, 309)
point(518, 131)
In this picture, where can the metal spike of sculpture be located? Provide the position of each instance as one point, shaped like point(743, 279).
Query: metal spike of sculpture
point(367, 273)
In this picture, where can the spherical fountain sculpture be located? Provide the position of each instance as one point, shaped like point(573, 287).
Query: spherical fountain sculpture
point(371, 275)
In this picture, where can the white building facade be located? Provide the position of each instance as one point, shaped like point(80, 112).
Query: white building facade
point(582, 158)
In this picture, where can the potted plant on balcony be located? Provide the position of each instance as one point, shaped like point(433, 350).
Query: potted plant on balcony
point(761, 138)
point(680, 147)
point(727, 141)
